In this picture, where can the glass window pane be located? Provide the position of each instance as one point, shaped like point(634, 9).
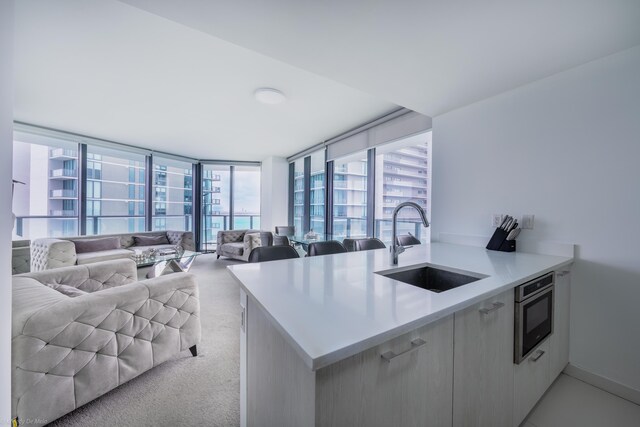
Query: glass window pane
point(172, 195)
point(350, 196)
point(298, 195)
point(216, 195)
point(402, 174)
point(246, 197)
point(46, 205)
point(318, 165)
point(113, 174)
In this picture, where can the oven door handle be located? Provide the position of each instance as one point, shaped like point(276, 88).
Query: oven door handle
point(496, 306)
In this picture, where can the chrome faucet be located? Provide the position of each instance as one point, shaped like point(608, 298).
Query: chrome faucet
point(397, 249)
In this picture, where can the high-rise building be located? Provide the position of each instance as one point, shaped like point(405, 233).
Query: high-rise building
point(47, 205)
point(402, 174)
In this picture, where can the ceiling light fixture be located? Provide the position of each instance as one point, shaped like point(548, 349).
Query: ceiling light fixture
point(268, 95)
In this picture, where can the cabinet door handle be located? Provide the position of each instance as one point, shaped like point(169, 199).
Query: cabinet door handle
point(537, 356)
point(562, 273)
point(415, 344)
point(243, 319)
point(496, 306)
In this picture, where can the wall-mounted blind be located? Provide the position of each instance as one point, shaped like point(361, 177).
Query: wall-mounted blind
point(399, 127)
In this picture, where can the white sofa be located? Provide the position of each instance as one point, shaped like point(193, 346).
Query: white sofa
point(54, 253)
point(73, 343)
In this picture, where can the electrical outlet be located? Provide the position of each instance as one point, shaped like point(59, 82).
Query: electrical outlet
point(496, 220)
point(527, 222)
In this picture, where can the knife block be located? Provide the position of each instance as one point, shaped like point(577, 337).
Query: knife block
point(499, 242)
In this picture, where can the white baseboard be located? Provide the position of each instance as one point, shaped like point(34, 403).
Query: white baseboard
point(603, 383)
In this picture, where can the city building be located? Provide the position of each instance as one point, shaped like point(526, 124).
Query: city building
point(48, 203)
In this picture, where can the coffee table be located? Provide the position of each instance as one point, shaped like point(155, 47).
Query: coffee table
point(166, 264)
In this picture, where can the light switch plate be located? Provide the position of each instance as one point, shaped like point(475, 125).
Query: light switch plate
point(496, 220)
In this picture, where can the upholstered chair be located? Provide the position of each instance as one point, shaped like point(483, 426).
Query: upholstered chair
point(325, 248)
point(272, 253)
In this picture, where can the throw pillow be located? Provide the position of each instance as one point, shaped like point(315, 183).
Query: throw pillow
point(67, 290)
point(150, 240)
point(96, 245)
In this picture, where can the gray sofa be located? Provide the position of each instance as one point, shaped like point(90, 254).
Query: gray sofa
point(68, 350)
point(54, 253)
point(238, 244)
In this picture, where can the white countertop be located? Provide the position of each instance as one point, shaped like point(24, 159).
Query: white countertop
point(334, 306)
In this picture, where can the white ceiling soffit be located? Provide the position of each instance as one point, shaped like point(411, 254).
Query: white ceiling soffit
point(108, 70)
point(426, 55)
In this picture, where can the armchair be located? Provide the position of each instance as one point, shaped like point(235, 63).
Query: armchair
point(238, 244)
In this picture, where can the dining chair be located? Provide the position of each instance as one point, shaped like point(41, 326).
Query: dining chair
point(325, 248)
point(272, 253)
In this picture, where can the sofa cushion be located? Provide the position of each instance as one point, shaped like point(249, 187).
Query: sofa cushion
point(151, 240)
point(90, 257)
point(233, 248)
point(95, 245)
point(67, 290)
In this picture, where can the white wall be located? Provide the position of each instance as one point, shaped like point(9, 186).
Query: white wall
point(275, 193)
point(567, 149)
point(6, 142)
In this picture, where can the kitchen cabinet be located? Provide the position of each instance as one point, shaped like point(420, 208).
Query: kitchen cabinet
point(483, 363)
point(243, 357)
point(315, 331)
point(531, 380)
point(406, 381)
point(535, 374)
point(411, 387)
point(559, 345)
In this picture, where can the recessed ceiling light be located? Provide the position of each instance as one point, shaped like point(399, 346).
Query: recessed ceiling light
point(268, 95)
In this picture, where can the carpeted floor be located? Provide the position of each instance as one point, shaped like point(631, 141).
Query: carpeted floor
point(186, 391)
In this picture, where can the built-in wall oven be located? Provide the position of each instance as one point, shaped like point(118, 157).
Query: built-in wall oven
point(533, 315)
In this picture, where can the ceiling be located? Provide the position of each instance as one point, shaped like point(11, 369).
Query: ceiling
point(431, 56)
point(109, 70)
point(178, 76)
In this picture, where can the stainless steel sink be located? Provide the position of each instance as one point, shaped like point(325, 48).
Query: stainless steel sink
point(431, 278)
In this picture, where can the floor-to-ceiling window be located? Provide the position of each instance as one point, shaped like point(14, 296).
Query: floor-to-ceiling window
point(360, 190)
point(45, 198)
point(216, 202)
point(350, 196)
point(298, 195)
point(172, 194)
point(230, 199)
point(116, 182)
point(246, 197)
point(69, 185)
point(317, 192)
point(402, 174)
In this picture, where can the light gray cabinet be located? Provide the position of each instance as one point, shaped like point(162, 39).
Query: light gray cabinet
point(243, 358)
point(531, 380)
point(410, 386)
point(483, 363)
point(534, 375)
point(559, 345)
point(457, 371)
point(406, 381)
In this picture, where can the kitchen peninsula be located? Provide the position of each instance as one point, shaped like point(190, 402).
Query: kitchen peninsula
point(329, 340)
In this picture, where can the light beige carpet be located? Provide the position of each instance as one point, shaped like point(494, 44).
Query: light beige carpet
point(186, 391)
